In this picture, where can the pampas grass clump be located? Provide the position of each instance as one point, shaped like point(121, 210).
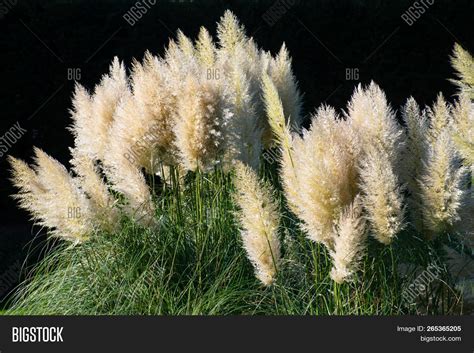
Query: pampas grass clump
point(196, 108)
point(368, 155)
point(166, 167)
point(337, 161)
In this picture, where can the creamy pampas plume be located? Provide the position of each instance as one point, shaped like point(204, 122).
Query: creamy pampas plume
point(244, 130)
point(443, 185)
point(90, 147)
point(463, 136)
point(320, 178)
point(349, 243)
point(279, 120)
point(98, 138)
point(373, 121)
point(205, 48)
point(463, 63)
point(93, 115)
point(275, 112)
point(287, 87)
point(151, 132)
point(381, 139)
point(434, 172)
point(279, 131)
point(443, 181)
point(327, 173)
point(436, 180)
point(381, 195)
point(102, 203)
point(199, 124)
point(463, 124)
point(123, 170)
point(439, 118)
point(142, 129)
point(53, 198)
point(414, 155)
point(230, 32)
point(259, 218)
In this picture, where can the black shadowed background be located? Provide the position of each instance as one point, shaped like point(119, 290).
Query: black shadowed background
point(47, 45)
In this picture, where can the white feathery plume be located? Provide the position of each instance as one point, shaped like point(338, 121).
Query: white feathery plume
point(463, 124)
point(53, 198)
point(439, 118)
point(325, 164)
point(373, 121)
point(349, 243)
point(259, 218)
point(230, 32)
point(122, 168)
point(443, 185)
point(243, 133)
point(152, 140)
point(102, 203)
point(92, 120)
point(463, 63)
point(178, 66)
point(319, 171)
point(278, 131)
point(83, 127)
point(276, 127)
point(381, 142)
point(205, 49)
point(185, 44)
point(285, 82)
point(198, 127)
point(381, 195)
point(414, 156)
point(289, 174)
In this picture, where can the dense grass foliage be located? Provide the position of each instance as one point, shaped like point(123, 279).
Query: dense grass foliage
point(193, 263)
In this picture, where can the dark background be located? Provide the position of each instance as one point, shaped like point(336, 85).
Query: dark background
point(41, 41)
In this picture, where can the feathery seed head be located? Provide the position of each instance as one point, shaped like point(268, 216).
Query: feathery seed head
point(205, 48)
point(443, 185)
point(414, 155)
point(244, 135)
point(276, 128)
point(463, 63)
point(230, 32)
point(102, 203)
point(373, 120)
point(349, 243)
point(381, 195)
point(104, 102)
point(52, 197)
point(439, 118)
point(287, 87)
point(463, 123)
point(321, 179)
point(259, 218)
point(198, 128)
